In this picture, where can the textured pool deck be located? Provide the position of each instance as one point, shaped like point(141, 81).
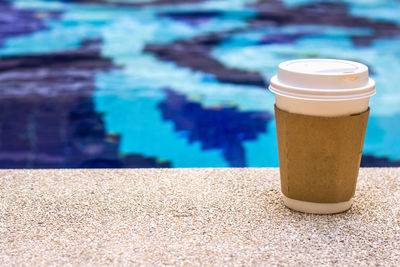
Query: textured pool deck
point(189, 217)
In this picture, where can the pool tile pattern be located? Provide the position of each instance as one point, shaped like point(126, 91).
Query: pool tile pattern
point(88, 83)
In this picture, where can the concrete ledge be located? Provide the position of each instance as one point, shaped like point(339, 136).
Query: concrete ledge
point(189, 217)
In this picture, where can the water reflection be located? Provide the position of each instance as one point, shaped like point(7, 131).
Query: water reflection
point(83, 83)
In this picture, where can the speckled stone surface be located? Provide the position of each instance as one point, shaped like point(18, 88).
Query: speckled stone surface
point(189, 217)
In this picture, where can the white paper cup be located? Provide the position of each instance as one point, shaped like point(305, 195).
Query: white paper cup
point(322, 87)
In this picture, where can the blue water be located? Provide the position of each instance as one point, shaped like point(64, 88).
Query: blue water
point(186, 85)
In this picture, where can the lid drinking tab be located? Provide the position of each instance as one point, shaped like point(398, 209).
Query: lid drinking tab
point(322, 66)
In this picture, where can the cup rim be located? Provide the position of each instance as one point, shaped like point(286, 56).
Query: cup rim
point(322, 94)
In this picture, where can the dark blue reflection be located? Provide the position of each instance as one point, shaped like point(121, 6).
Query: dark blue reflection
point(15, 21)
point(224, 128)
point(47, 116)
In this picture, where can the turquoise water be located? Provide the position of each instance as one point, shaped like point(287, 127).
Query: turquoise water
point(165, 101)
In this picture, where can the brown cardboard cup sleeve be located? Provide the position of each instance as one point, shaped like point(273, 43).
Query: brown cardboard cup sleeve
point(319, 157)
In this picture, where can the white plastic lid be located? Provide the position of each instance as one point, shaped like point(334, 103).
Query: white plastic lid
point(322, 79)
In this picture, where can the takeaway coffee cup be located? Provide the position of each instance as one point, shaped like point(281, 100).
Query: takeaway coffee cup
point(321, 113)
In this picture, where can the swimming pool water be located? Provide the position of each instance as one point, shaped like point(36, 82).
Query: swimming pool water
point(177, 83)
